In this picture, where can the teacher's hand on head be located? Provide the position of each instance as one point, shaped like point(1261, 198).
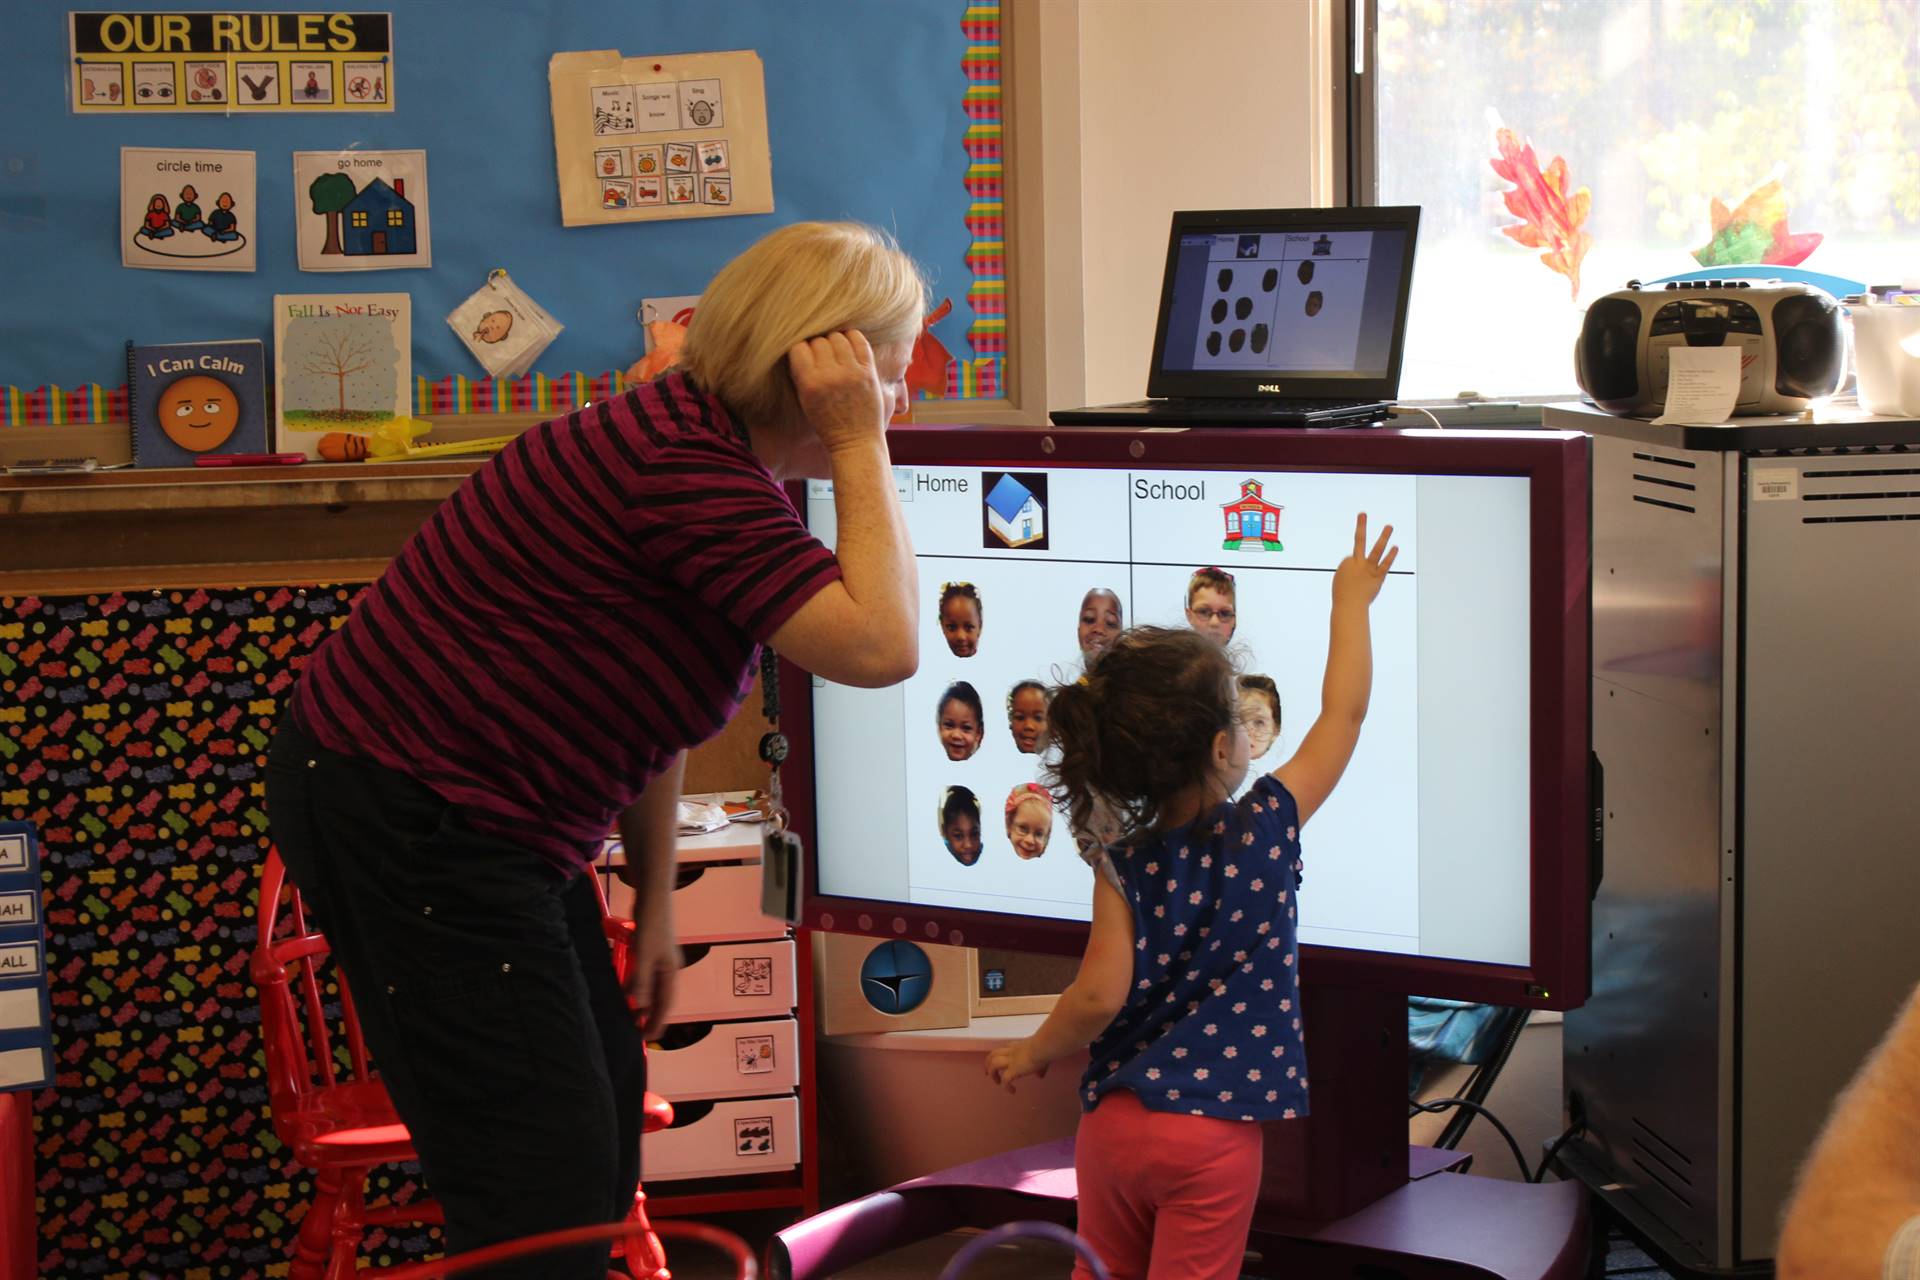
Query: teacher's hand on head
point(838, 383)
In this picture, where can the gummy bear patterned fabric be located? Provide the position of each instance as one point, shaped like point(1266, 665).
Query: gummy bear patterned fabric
point(1213, 1025)
point(133, 729)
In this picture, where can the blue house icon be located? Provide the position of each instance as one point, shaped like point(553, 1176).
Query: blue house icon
point(379, 220)
point(1014, 514)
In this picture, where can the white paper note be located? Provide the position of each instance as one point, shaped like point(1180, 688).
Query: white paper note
point(20, 1008)
point(1703, 384)
point(22, 1066)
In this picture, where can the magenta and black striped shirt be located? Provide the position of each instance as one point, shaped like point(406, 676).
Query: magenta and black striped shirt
point(586, 605)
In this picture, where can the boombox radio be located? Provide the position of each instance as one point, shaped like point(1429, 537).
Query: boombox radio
point(1793, 346)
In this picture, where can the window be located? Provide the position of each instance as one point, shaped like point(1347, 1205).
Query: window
point(1801, 120)
point(396, 218)
point(359, 217)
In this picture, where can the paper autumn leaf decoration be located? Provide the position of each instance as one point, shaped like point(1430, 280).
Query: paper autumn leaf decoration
point(927, 370)
point(1550, 217)
point(668, 337)
point(1756, 232)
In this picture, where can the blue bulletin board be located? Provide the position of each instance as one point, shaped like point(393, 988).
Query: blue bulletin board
point(867, 119)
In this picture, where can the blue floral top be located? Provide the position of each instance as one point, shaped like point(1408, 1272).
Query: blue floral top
point(1213, 1026)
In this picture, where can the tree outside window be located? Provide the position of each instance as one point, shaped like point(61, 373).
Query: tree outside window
point(1799, 118)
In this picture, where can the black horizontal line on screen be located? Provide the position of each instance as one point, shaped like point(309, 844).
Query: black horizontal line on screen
point(999, 897)
point(1006, 559)
point(1235, 566)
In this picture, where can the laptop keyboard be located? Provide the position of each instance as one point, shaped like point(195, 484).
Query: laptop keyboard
point(1290, 408)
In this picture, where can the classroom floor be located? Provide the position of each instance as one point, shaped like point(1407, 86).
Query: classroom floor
point(1526, 1097)
point(1038, 1260)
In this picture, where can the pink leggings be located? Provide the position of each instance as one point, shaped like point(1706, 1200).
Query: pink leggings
point(1165, 1197)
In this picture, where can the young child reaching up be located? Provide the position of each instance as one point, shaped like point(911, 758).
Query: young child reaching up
point(1189, 988)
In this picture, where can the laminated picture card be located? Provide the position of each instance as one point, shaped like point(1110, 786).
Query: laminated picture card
point(504, 328)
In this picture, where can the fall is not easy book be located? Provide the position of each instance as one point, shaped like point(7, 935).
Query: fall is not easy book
point(343, 364)
point(187, 399)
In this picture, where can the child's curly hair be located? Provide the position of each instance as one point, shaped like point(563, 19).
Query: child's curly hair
point(958, 802)
point(1139, 728)
point(1022, 687)
point(967, 696)
point(961, 591)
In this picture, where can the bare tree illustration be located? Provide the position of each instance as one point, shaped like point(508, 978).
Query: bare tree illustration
point(337, 354)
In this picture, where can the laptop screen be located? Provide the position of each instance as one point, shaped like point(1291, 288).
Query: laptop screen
point(1285, 302)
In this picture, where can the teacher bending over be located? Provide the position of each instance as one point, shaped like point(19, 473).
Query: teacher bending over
point(530, 671)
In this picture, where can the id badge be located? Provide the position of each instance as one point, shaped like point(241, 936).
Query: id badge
point(780, 851)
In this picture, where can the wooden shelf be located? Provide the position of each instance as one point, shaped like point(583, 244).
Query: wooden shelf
point(109, 442)
point(225, 488)
point(164, 528)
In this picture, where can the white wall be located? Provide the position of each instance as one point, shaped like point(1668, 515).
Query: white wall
point(1184, 104)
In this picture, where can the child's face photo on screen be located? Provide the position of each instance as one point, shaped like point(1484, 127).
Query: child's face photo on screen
point(1100, 620)
point(1027, 716)
point(1210, 606)
point(1029, 820)
point(960, 825)
point(961, 723)
point(960, 618)
point(1259, 713)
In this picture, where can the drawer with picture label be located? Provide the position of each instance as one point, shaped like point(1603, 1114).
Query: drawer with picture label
point(723, 1139)
point(735, 980)
point(693, 1060)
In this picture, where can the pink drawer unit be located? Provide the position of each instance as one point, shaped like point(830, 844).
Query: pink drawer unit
point(736, 980)
point(715, 903)
point(724, 1139)
point(722, 904)
point(699, 1060)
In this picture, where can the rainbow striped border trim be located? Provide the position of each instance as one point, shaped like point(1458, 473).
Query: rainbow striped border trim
point(536, 393)
point(52, 406)
point(974, 379)
point(986, 207)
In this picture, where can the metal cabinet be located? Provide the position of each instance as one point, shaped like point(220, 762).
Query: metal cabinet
point(1756, 692)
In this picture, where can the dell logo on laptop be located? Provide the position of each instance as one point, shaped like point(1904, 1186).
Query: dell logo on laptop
point(1273, 387)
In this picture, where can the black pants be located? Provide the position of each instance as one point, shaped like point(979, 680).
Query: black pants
point(486, 992)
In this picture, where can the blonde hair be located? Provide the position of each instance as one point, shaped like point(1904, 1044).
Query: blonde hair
point(799, 282)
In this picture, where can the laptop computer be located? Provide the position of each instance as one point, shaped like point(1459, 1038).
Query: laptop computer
point(1276, 317)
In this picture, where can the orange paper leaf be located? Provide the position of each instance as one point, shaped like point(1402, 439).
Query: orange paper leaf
point(1551, 216)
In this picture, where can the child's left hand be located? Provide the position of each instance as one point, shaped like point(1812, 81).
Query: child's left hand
point(1011, 1061)
point(1358, 577)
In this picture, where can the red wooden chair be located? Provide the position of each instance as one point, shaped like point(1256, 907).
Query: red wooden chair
point(329, 1107)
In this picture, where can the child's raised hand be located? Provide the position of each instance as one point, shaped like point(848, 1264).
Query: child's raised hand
point(1359, 576)
point(1011, 1061)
